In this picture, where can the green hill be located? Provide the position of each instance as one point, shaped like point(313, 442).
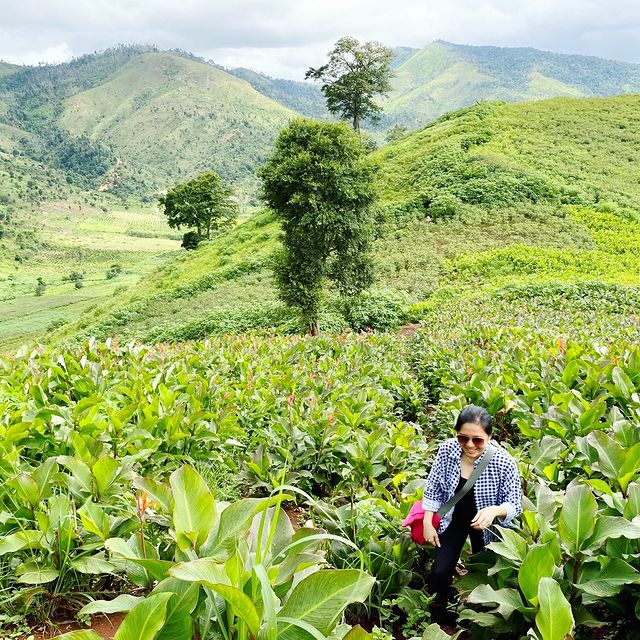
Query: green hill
point(444, 77)
point(167, 116)
point(302, 97)
point(491, 199)
point(7, 69)
point(135, 120)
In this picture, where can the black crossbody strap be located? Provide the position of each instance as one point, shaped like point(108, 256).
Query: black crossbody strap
point(456, 497)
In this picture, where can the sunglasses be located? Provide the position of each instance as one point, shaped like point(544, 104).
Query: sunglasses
point(477, 440)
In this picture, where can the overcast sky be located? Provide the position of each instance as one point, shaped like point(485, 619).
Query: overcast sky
point(284, 37)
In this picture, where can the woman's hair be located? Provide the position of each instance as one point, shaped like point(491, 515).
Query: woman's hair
point(476, 415)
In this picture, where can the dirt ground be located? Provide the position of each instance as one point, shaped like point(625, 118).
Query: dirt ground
point(104, 625)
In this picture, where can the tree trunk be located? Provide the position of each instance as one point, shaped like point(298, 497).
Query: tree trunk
point(314, 328)
point(356, 122)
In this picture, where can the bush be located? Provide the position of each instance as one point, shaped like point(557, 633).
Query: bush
point(114, 271)
point(373, 310)
point(191, 240)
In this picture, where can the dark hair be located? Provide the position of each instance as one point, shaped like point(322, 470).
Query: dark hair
point(476, 415)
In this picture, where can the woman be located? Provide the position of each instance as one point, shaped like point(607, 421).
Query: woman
point(495, 497)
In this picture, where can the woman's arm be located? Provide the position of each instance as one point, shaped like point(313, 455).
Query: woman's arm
point(432, 497)
point(509, 499)
point(429, 531)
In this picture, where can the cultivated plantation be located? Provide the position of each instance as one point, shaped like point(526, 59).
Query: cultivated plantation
point(175, 453)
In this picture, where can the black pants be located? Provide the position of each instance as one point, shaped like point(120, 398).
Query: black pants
point(447, 555)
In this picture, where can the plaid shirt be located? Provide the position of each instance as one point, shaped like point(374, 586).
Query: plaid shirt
point(497, 485)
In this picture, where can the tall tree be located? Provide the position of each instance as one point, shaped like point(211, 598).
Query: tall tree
point(354, 75)
point(203, 203)
point(319, 183)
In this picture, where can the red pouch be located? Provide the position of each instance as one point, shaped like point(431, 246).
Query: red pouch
point(415, 520)
point(435, 521)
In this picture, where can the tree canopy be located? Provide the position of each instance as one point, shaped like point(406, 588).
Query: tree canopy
point(203, 203)
point(319, 183)
point(355, 74)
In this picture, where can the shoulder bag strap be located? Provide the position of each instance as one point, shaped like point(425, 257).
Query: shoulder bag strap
point(449, 504)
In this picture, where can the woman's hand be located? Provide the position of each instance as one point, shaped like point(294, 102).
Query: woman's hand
point(430, 534)
point(485, 517)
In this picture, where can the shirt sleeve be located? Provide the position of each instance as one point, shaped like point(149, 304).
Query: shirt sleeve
point(511, 492)
point(432, 498)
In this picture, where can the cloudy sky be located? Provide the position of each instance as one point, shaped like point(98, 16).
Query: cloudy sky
point(284, 37)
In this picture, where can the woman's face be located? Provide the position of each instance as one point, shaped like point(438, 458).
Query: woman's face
point(473, 439)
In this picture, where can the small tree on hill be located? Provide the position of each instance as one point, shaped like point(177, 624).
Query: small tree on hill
point(319, 183)
point(203, 203)
point(354, 75)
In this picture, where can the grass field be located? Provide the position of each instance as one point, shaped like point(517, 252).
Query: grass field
point(58, 239)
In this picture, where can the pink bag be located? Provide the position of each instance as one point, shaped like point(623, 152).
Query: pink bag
point(415, 519)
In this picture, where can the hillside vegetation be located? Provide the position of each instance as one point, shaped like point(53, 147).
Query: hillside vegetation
point(489, 199)
point(443, 77)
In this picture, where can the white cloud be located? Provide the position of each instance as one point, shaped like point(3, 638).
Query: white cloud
point(284, 37)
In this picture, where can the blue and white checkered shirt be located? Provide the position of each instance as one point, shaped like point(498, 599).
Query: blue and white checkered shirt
point(497, 485)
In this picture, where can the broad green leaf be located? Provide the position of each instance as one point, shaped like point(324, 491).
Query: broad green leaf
point(194, 510)
point(187, 592)
point(178, 623)
point(537, 564)
point(26, 488)
point(34, 573)
point(577, 517)
point(320, 598)
point(123, 602)
point(204, 571)
point(545, 451)
point(513, 546)
point(630, 467)
point(632, 506)
point(158, 492)
point(21, 540)
point(240, 604)
point(623, 383)
point(357, 633)
point(80, 473)
point(157, 569)
point(124, 555)
point(92, 565)
point(611, 456)
point(508, 600)
point(610, 580)
point(44, 475)
point(612, 527)
point(235, 521)
point(95, 520)
point(145, 620)
point(554, 618)
point(105, 471)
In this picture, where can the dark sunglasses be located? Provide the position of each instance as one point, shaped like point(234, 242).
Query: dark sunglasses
point(477, 440)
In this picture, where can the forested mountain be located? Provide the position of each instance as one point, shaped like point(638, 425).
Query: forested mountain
point(136, 120)
point(443, 77)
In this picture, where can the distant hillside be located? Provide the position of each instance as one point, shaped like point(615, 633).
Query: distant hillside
point(137, 120)
point(6, 68)
point(444, 77)
point(493, 198)
point(303, 97)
